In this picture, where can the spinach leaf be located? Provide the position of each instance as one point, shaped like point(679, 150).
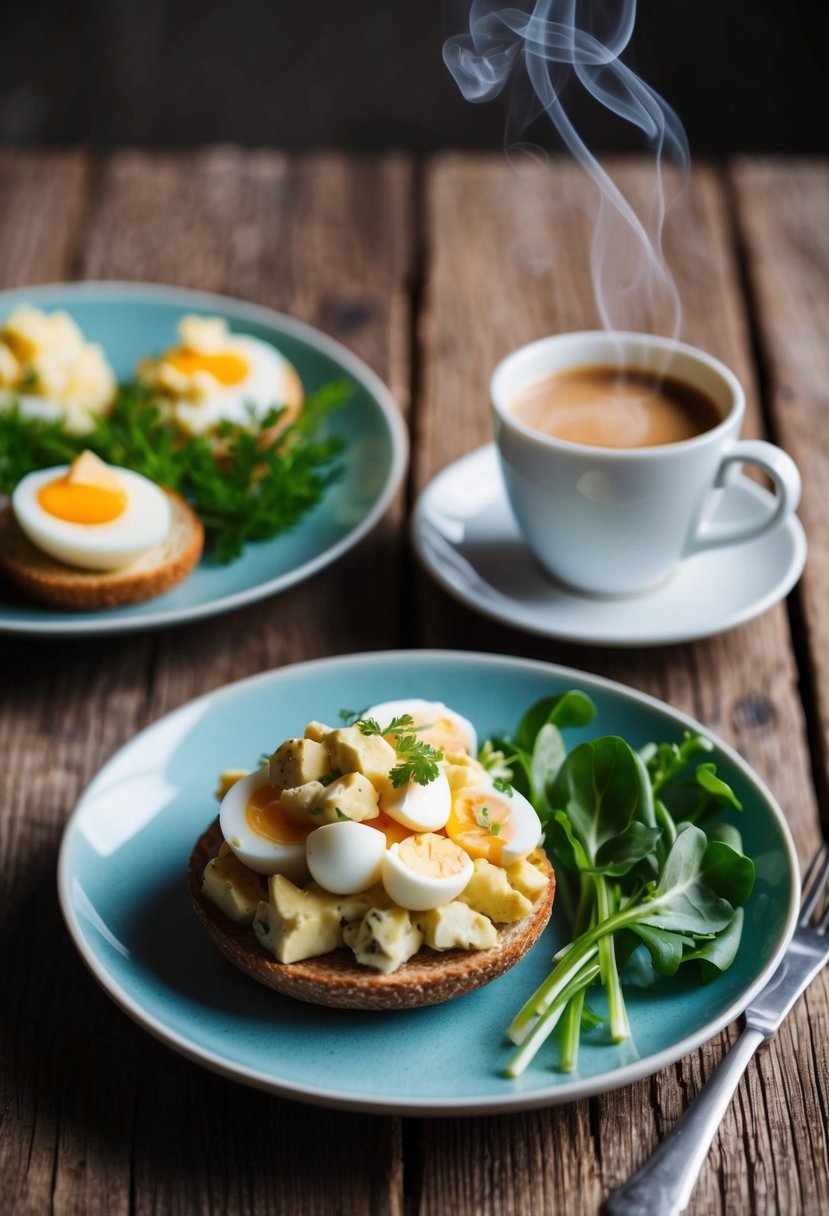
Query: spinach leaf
point(602, 808)
point(568, 709)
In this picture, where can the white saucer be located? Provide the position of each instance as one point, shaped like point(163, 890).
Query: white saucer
point(466, 536)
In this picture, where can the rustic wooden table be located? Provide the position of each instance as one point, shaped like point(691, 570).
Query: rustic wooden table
point(430, 272)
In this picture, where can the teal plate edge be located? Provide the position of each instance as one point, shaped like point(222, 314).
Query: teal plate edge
point(197, 1017)
point(173, 608)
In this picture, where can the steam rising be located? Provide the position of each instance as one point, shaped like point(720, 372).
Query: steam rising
point(556, 41)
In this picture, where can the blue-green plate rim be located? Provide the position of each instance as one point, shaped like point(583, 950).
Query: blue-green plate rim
point(505, 1102)
point(110, 622)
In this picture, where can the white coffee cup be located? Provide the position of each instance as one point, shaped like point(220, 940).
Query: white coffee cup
point(617, 521)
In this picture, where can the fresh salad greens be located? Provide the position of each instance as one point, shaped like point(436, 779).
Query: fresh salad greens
point(656, 885)
point(244, 482)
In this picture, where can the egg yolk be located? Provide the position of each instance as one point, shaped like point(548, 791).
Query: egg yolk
point(393, 831)
point(481, 824)
point(81, 504)
point(439, 733)
point(265, 817)
point(226, 366)
point(431, 855)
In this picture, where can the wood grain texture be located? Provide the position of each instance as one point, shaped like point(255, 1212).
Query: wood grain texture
point(95, 1116)
point(512, 253)
point(782, 208)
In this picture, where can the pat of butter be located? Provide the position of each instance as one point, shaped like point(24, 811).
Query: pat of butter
point(89, 470)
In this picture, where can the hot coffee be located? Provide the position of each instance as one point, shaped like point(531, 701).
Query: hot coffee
point(613, 407)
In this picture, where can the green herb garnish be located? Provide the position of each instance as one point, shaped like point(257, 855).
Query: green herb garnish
point(417, 760)
point(244, 483)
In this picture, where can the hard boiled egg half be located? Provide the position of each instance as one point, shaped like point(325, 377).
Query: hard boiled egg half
point(91, 515)
point(260, 833)
point(425, 871)
point(345, 857)
point(434, 722)
point(214, 375)
point(497, 826)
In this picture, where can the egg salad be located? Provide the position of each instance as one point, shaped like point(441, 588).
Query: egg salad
point(91, 515)
point(384, 835)
point(213, 375)
point(50, 371)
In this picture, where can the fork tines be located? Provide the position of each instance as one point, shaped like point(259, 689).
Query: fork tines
point(814, 885)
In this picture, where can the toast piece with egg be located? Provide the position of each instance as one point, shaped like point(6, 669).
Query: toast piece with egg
point(336, 979)
point(51, 581)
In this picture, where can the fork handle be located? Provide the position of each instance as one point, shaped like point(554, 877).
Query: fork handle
point(663, 1186)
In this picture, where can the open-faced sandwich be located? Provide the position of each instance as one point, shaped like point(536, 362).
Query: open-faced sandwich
point(88, 535)
point(377, 865)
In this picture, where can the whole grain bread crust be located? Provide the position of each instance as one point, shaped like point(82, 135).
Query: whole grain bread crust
point(336, 979)
point(52, 582)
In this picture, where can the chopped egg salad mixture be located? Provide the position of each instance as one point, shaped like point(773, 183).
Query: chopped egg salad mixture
point(91, 515)
point(213, 375)
point(51, 372)
point(384, 835)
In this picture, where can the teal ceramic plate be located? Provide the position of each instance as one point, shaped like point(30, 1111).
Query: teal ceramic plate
point(131, 320)
point(123, 889)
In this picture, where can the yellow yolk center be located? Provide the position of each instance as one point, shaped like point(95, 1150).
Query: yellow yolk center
point(266, 818)
point(432, 855)
point(393, 831)
point(225, 366)
point(81, 504)
point(481, 824)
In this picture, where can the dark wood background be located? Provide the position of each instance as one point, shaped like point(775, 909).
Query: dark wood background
point(744, 75)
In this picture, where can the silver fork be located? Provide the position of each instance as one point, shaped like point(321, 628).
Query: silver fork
point(663, 1186)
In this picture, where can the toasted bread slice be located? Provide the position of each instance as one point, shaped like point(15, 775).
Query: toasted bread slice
point(51, 581)
point(337, 979)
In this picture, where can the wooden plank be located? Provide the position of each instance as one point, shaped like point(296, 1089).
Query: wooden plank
point(44, 196)
point(48, 754)
point(507, 262)
point(119, 1123)
point(781, 209)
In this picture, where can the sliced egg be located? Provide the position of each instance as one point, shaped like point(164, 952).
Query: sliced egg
point(96, 522)
point(214, 375)
point(436, 723)
point(345, 858)
point(260, 833)
point(498, 827)
point(425, 871)
point(421, 808)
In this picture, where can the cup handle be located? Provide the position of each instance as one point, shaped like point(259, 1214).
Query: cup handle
point(782, 470)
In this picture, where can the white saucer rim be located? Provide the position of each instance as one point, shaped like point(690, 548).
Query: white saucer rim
point(780, 589)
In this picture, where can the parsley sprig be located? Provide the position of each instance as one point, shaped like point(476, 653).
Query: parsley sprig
point(417, 760)
point(244, 483)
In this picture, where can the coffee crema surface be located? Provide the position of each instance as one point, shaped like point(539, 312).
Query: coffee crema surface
point(613, 407)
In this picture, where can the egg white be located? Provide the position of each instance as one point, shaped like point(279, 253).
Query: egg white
point(270, 383)
point(423, 808)
point(424, 713)
point(259, 854)
point(345, 858)
point(419, 892)
point(144, 523)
